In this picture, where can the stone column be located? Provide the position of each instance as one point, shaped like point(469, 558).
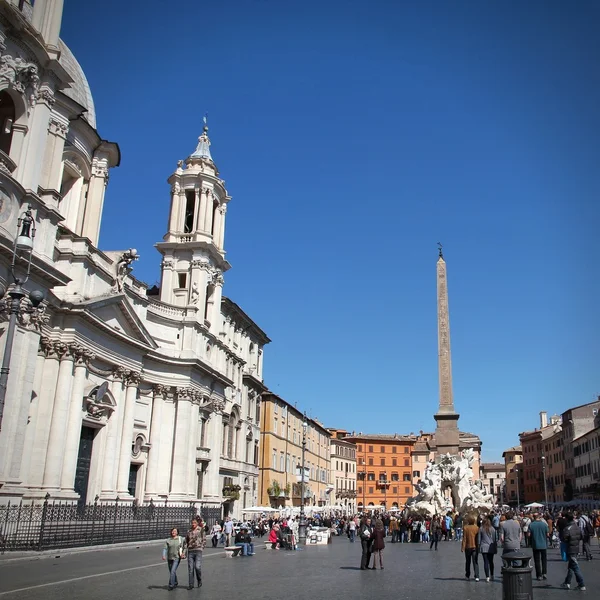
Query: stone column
point(52, 168)
point(46, 18)
point(175, 208)
point(33, 155)
point(58, 425)
point(132, 381)
point(221, 237)
point(166, 282)
point(216, 232)
point(158, 402)
point(181, 446)
point(82, 359)
point(111, 455)
point(95, 199)
point(202, 209)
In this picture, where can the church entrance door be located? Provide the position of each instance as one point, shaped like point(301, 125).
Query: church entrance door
point(84, 458)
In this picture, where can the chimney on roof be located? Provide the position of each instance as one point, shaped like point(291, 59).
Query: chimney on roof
point(543, 419)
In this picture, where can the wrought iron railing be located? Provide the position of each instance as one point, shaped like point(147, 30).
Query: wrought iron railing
point(56, 524)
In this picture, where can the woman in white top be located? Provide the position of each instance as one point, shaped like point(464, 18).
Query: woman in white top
point(215, 533)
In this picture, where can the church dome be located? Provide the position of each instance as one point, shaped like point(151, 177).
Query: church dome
point(79, 90)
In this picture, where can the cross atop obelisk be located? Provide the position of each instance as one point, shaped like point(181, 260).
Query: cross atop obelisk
point(446, 432)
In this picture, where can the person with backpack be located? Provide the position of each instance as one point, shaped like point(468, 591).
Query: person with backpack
point(571, 536)
point(587, 531)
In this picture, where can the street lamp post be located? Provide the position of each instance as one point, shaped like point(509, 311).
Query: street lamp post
point(384, 483)
point(302, 525)
point(14, 304)
point(545, 485)
point(518, 494)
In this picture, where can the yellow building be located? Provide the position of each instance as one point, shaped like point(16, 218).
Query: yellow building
point(280, 456)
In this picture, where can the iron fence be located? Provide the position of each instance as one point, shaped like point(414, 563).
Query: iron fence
point(53, 525)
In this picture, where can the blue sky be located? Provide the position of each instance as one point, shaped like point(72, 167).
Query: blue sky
point(353, 136)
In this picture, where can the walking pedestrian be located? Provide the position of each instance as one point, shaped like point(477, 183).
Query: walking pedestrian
point(435, 530)
point(488, 546)
point(228, 530)
point(378, 543)
point(366, 540)
point(469, 547)
point(352, 530)
point(510, 534)
point(195, 542)
point(538, 531)
point(587, 531)
point(571, 537)
point(215, 534)
point(173, 553)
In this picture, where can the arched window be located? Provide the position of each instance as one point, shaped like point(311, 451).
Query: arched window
point(7, 119)
point(214, 217)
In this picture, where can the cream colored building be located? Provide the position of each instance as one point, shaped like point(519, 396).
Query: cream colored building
point(117, 390)
point(493, 476)
point(343, 471)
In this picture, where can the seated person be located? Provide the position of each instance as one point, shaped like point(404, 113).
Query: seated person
point(273, 537)
point(243, 539)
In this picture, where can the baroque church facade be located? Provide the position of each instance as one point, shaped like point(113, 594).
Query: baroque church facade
point(115, 390)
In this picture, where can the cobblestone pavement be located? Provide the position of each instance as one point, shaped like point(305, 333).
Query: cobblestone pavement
point(411, 571)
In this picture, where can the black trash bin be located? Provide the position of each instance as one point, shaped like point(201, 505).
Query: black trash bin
point(516, 576)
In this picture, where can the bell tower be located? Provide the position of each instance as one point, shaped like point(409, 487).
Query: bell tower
point(193, 255)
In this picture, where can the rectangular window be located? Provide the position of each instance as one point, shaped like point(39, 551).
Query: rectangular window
point(395, 477)
point(394, 490)
point(360, 447)
point(370, 448)
point(371, 476)
point(182, 280)
point(405, 449)
point(382, 461)
point(406, 463)
point(370, 462)
point(281, 462)
point(394, 449)
point(394, 461)
point(370, 490)
point(274, 464)
point(382, 449)
point(359, 489)
point(407, 490)
point(406, 477)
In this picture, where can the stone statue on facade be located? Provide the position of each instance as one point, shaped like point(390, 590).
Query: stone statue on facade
point(124, 267)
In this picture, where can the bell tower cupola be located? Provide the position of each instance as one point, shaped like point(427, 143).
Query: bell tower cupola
point(193, 247)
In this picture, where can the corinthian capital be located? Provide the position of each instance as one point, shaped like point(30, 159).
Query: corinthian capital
point(133, 378)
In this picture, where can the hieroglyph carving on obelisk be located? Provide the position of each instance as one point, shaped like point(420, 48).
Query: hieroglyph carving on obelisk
point(444, 357)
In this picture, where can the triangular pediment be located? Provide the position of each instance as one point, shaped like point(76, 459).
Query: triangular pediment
point(116, 313)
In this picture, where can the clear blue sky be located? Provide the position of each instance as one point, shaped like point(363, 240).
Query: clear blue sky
point(353, 136)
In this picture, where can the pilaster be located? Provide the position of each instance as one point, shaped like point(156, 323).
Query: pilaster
point(132, 381)
point(180, 466)
point(73, 434)
point(44, 413)
point(158, 402)
point(110, 463)
point(59, 421)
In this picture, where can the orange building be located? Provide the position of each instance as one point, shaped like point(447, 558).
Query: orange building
point(384, 469)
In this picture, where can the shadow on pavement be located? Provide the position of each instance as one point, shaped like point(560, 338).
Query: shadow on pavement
point(350, 568)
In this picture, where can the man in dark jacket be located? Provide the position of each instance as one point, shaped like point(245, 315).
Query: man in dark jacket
point(571, 535)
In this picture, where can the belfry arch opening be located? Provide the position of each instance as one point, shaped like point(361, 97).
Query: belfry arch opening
point(7, 119)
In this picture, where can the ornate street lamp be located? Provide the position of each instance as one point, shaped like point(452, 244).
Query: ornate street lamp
point(518, 495)
point(302, 525)
point(14, 305)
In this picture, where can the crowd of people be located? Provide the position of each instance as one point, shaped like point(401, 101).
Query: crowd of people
point(478, 534)
point(484, 534)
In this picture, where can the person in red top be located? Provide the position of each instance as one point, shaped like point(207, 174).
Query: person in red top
point(273, 537)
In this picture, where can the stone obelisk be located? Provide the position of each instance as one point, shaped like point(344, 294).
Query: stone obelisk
point(446, 431)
